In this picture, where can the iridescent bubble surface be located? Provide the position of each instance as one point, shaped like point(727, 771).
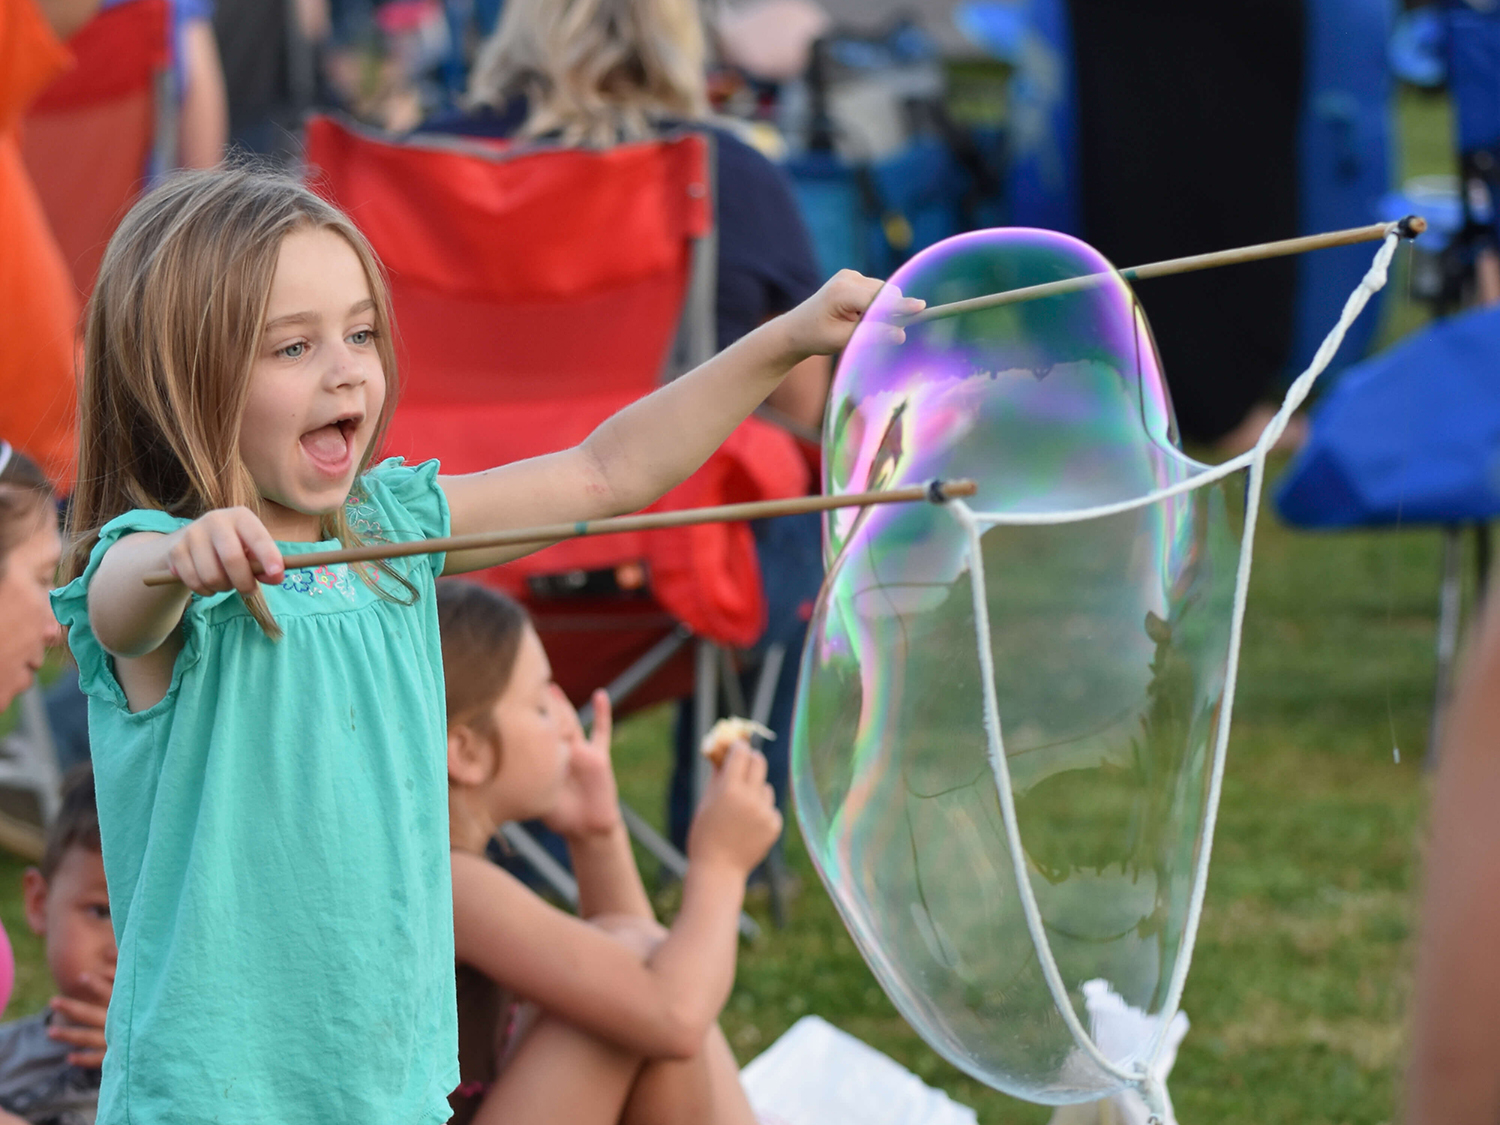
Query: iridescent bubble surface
point(1110, 638)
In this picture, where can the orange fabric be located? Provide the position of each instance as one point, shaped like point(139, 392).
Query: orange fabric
point(87, 138)
point(38, 304)
point(537, 292)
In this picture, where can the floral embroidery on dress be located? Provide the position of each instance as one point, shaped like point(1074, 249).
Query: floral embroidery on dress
point(363, 518)
point(320, 580)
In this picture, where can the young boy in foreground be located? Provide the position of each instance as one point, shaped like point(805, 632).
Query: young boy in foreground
point(49, 1062)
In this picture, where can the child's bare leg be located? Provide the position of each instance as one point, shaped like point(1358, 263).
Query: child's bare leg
point(559, 1073)
point(671, 1092)
point(731, 1107)
point(705, 1088)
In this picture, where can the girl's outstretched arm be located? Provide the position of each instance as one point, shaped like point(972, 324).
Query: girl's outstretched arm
point(654, 444)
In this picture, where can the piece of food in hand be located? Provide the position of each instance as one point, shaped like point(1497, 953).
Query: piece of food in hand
point(725, 733)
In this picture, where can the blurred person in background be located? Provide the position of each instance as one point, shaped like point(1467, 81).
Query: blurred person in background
point(1454, 1074)
point(30, 547)
point(202, 115)
point(204, 124)
point(269, 53)
point(602, 72)
point(1188, 135)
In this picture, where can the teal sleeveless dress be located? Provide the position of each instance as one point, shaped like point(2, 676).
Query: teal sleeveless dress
point(275, 837)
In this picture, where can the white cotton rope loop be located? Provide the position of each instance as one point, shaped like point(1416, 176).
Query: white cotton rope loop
point(1143, 1077)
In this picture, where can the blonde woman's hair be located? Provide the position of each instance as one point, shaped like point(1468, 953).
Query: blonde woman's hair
point(595, 72)
point(173, 327)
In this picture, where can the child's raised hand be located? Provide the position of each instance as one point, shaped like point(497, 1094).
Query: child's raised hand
point(220, 550)
point(737, 822)
point(589, 803)
point(82, 1023)
point(822, 324)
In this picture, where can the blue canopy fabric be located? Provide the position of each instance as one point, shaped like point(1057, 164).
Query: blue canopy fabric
point(1474, 74)
point(1410, 436)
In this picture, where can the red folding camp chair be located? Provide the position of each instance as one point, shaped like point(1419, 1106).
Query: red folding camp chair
point(537, 291)
point(95, 136)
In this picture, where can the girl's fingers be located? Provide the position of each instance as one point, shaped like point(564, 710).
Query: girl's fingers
point(257, 544)
point(603, 720)
point(78, 1036)
point(732, 766)
point(232, 557)
point(86, 1060)
point(81, 1012)
point(206, 566)
point(755, 770)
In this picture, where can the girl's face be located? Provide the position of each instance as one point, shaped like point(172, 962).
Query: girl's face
point(533, 751)
point(316, 387)
point(29, 571)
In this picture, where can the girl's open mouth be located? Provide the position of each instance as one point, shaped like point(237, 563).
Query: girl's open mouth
point(331, 448)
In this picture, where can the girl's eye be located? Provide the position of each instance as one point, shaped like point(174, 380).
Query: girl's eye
point(293, 351)
point(362, 337)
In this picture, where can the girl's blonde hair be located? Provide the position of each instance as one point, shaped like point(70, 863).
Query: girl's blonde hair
point(595, 72)
point(173, 327)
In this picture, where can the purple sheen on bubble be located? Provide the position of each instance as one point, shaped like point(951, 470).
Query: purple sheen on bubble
point(1110, 639)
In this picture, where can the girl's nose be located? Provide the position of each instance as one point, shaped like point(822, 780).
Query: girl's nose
point(348, 367)
point(350, 371)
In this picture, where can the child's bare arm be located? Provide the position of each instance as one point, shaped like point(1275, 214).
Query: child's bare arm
point(574, 970)
point(662, 1008)
point(1455, 1057)
point(215, 552)
point(608, 880)
point(656, 443)
point(137, 624)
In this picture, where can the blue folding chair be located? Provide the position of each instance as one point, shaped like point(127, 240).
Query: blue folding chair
point(1411, 436)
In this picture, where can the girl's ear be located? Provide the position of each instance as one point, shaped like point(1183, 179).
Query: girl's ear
point(470, 755)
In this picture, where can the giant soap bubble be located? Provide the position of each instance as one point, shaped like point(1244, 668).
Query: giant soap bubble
point(1016, 850)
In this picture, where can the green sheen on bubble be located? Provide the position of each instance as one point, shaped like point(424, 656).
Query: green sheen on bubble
point(1110, 639)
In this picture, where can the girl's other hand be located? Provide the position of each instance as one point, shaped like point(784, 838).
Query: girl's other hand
point(589, 803)
point(737, 822)
point(822, 324)
point(219, 551)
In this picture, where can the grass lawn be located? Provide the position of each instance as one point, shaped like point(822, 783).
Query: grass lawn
point(1300, 983)
point(1299, 986)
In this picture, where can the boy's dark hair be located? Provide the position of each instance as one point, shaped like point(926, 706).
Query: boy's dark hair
point(77, 823)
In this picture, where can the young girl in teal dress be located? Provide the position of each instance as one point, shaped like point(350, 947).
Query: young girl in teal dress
point(269, 744)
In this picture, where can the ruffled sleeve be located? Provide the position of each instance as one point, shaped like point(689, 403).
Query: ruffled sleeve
point(96, 674)
point(404, 502)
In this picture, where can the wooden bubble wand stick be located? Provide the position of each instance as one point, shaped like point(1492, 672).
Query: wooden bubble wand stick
point(1409, 227)
point(935, 491)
